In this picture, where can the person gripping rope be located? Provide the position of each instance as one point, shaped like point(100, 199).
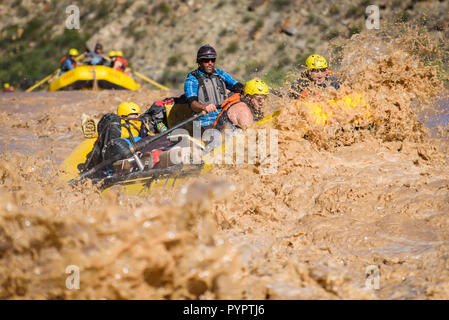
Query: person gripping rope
point(317, 73)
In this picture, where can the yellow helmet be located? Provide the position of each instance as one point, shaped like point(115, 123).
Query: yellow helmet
point(127, 108)
point(6, 86)
point(256, 86)
point(119, 53)
point(112, 54)
point(315, 61)
point(73, 52)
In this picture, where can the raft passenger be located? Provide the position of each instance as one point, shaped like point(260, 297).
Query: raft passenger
point(241, 110)
point(96, 57)
point(112, 57)
point(116, 132)
point(317, 73)
point(8, 88)
point(206, 87)
point(120, 63)
point(68, 62)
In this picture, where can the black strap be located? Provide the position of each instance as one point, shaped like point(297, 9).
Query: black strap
point(200, 79)
point(221, 85)
point(127, 126)
point(106, 137)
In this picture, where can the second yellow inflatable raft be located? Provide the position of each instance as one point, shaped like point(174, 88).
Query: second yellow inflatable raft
point(87, 77)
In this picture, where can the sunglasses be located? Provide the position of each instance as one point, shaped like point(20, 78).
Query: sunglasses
point(319, 70)
point(208, 60)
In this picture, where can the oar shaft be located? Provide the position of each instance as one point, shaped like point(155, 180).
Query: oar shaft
point(151, 81)
point(80, 56)
point(39, 83)
point(139, 145)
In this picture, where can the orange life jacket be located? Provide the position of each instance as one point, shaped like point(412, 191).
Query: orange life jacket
point(123, 61)
point(304, 94)
point(229, 102)
point(118, 65)
point(64, 59)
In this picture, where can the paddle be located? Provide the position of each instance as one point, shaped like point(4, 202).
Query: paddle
point(139, 145)
point(141, 76)
point(42, 81)
point(80, 56)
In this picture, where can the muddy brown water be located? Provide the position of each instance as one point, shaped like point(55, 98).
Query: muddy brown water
point(362, 214)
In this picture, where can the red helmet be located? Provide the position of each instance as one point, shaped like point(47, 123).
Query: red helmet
point(205, 52)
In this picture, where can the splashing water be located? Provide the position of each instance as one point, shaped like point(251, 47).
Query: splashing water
point(341, 200)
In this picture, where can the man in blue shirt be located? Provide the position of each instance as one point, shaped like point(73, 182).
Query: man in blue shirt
point(96, 57)
point(206, 88)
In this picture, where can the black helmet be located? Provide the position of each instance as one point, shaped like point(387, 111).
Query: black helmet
point(98, 46)
point(206, 51)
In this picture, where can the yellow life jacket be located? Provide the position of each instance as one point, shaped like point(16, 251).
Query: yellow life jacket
point(132, 126)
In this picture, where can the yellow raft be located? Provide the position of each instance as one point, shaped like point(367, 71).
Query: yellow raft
point(350, 104)
point(140, 186)
point(90, 77)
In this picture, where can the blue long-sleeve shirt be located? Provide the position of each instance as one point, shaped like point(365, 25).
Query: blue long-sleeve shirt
point(191, 92)
point(67, 65)
point(96, 59)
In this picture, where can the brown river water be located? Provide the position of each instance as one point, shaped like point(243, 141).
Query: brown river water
point(349, 214)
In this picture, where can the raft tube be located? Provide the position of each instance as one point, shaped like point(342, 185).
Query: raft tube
point(84, 77)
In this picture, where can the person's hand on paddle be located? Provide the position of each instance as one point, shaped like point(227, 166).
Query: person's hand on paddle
point(210, 108)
